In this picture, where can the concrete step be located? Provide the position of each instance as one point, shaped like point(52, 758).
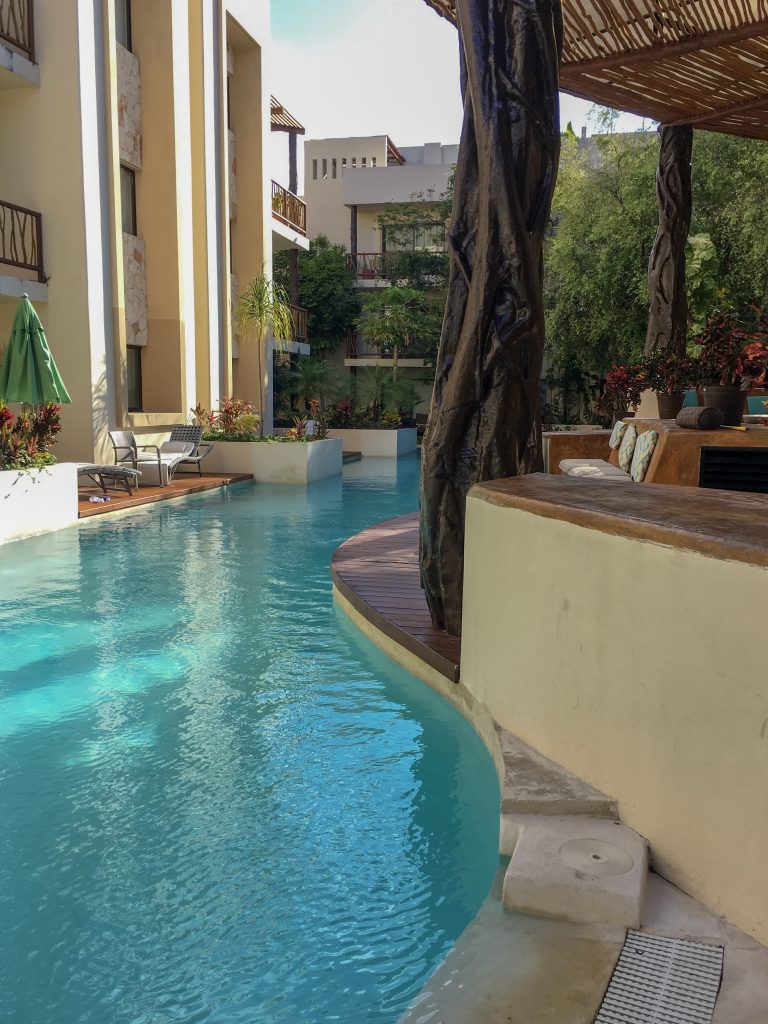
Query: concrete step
point(535, 785)
point(577, 869)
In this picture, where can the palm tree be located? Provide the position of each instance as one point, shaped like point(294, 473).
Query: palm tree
point(396, 317)
point(263, 306)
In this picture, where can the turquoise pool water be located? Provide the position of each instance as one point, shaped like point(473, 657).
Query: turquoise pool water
point(218, 802)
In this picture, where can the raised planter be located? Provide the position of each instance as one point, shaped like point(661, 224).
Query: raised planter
point(34, 501)
point(378, 443)
point(278, 462)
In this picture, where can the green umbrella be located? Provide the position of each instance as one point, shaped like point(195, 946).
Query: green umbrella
point(28, 372)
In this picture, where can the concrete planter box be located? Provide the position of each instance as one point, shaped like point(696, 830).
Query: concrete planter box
point(286, 462)
point(378, 443)
point(36, 501)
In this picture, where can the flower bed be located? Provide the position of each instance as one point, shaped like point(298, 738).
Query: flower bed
point(380, 442)
point(278, 460)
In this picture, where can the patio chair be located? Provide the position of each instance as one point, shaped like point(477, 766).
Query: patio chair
point(120, 478)
point(187, 433)
point(165, 457)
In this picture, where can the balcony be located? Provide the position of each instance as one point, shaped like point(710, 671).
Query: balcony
point(379, 269)
point(21, 250)
point(17, 44)
point(362, 352)
point(289, 220)
point(299, 342)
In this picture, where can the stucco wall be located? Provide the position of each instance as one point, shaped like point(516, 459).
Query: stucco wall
point(639, 668)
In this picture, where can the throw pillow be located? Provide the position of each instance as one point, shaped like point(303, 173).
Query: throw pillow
point(627, 449)
point(697, 417)
point(617, 434)
point(644, 449)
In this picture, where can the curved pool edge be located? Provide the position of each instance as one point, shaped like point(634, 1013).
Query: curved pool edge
point(476, 714)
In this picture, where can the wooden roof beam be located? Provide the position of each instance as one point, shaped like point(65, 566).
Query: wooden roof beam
point(644, 54)
point(715, 115)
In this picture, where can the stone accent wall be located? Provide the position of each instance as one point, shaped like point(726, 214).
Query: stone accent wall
point(129, 107)
point(234, 286)
point(135, 273)
point(232, 176)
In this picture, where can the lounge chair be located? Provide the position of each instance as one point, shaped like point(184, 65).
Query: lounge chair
point(186, 433)
point(158, 462)
point(119, 478)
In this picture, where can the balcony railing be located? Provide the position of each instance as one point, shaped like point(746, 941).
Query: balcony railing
point(289, 209)
point(300, 323)
point(397, 264)
point(21, 239)
point(17, 27)
point(358, 347)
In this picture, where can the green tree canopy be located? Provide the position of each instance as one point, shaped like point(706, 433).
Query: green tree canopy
point(326, 291)
point(400, 319)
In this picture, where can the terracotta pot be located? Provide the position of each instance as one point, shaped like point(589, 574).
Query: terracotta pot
point(669, 405)
point(729, 399)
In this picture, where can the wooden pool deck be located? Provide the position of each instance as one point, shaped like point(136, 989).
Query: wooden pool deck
point(377, 571)
point(180, 487)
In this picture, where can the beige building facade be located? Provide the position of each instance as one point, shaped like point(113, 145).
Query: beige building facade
point(136, 200)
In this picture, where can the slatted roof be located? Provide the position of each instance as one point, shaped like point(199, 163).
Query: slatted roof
point(282, 121)
point(701, 62)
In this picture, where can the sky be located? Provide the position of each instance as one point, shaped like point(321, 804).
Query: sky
point(373, 67)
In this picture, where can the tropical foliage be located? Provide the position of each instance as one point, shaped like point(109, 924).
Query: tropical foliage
point(26, 439)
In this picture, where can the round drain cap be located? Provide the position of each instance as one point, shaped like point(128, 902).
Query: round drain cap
point(596, 857)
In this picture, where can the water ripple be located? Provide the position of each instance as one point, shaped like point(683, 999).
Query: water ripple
point(220, 805)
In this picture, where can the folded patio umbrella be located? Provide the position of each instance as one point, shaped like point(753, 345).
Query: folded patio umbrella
point(28, 372)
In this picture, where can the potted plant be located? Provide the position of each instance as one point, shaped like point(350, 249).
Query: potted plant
point(624, 386)
point(669, 376)
point(730, 357)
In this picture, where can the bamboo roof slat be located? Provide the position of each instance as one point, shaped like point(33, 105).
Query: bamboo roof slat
point(282, 121)
point(702, 62)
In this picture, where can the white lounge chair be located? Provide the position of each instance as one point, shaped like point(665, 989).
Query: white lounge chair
point(158, 462)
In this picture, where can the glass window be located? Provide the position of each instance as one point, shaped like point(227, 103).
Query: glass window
point(334, 167)
point(314, 170)
point(343, 165)
point(325, 169)
point(354, 161)
point(128, 200)
point(365, 161)
point(134, 378)
point(123, 23)
point(373, 161)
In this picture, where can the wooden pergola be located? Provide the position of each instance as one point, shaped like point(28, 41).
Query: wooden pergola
point(699, 62)
point(683, 63)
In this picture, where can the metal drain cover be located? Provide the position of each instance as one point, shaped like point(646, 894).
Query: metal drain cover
point(663, 981)
point(596, 857)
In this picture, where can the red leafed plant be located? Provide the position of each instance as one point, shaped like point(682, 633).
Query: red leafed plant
point(624, 386)
point(729, 353)
point(667, 373)
point(26, 438)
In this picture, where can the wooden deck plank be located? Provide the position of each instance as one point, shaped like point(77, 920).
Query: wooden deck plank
point(377, 571)
point(180, 487)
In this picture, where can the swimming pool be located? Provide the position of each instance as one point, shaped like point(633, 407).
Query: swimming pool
point(220, 803)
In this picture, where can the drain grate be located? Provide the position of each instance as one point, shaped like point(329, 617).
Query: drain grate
point(663, 981)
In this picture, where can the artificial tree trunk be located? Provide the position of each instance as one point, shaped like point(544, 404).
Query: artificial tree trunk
point(668, 312)
point(484, 422)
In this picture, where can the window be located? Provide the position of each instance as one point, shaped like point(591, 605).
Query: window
point(334, 167)
point(373, 161)
point(325, 170)
point(343, 165)
point(134, 378)
point(123, 30)
point(354, 161)
point(415, 237)
point(365, 161)
point(128, 200)
point(314, 170)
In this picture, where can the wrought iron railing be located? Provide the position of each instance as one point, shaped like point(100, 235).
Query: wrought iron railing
point(21, 239)
point(17, 26)
point(300, 323)
point(288, 208)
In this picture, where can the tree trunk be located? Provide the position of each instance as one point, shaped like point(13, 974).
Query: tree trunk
point(484, 422)
point(668, 313)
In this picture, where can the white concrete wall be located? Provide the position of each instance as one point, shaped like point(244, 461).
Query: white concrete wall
point(326, 213)
point(37, 501)
point(641, 669)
